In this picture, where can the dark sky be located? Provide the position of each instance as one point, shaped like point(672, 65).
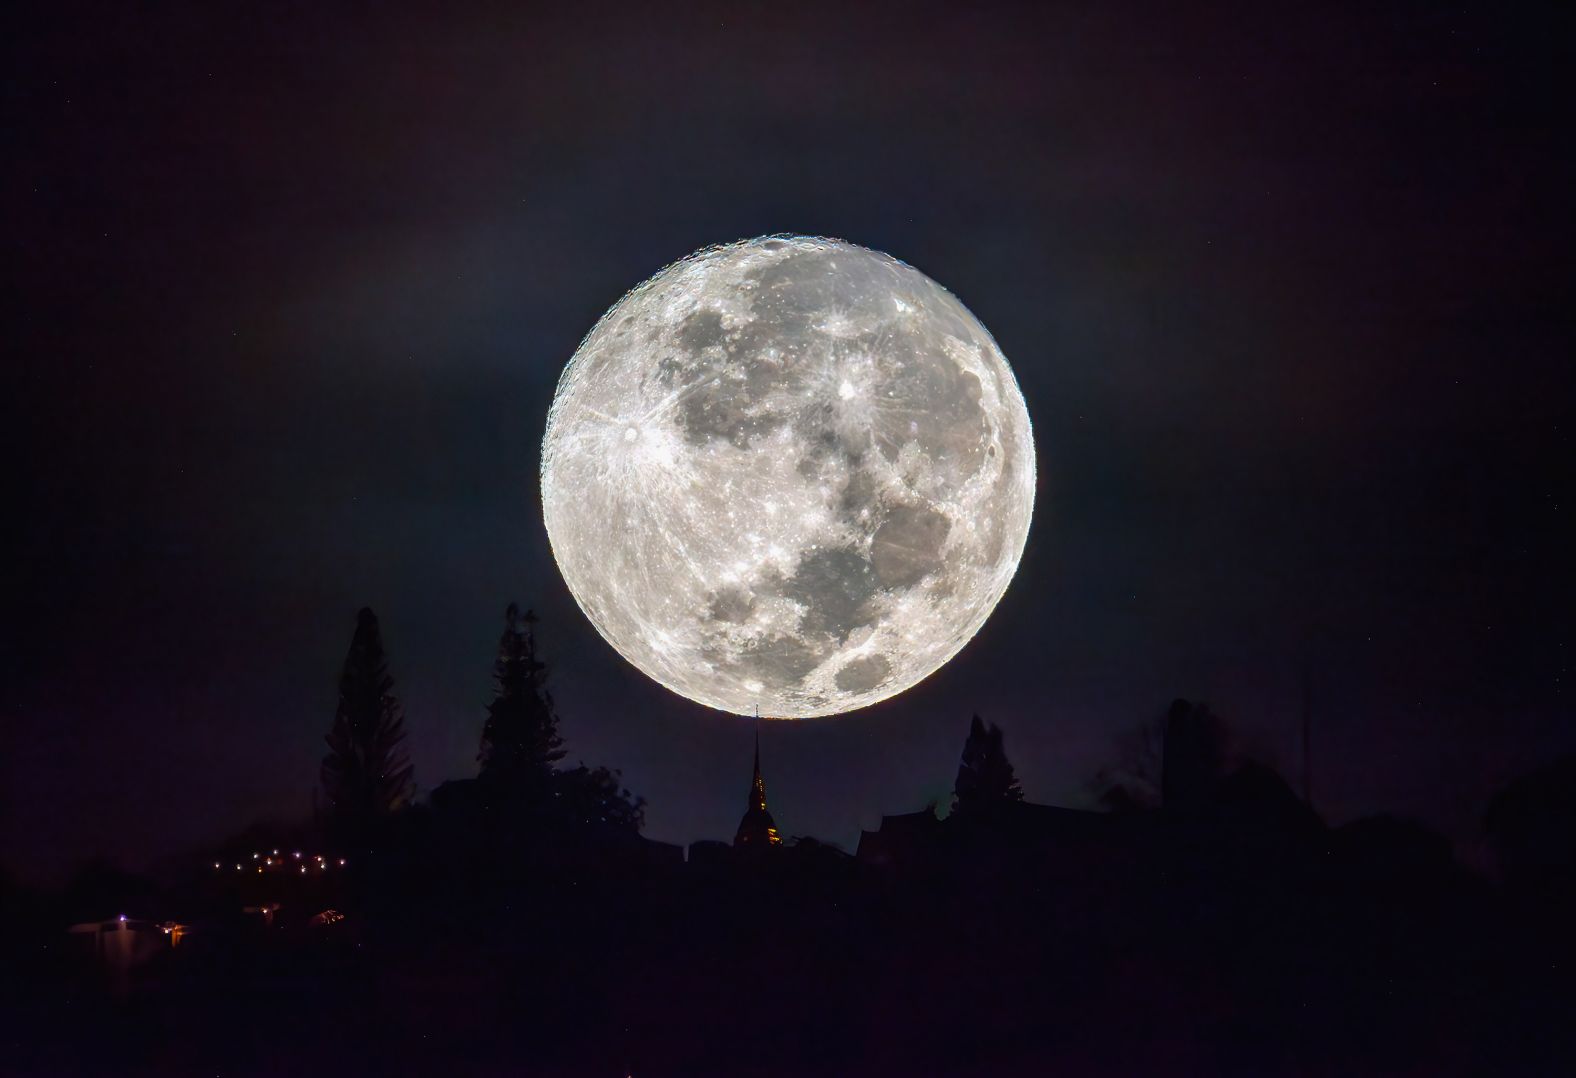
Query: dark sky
point(1287, 293)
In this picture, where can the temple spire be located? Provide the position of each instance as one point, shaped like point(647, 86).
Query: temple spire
point(758, 784)
point(757, 828)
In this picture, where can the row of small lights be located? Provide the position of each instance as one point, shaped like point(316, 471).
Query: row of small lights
point(268, 862)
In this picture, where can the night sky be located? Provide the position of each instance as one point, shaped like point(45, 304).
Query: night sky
point(288, 294)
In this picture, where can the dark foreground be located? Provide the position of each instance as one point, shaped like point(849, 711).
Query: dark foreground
point(1138, 945)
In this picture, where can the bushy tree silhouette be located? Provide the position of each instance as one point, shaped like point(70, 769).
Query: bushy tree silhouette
point(985, 775)
point(366, 775)
point(596, 797)
point(1132, 780)
point(1194, 755)
point(520, 741)
point(1176, 759)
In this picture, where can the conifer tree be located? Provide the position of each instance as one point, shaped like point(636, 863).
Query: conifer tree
point(366, 774)
point(520, 741)
point(985, 775)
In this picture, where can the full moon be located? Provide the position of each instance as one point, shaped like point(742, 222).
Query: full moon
point(788, 474)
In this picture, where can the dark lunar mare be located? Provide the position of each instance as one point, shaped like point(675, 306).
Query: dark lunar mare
point(730, 393)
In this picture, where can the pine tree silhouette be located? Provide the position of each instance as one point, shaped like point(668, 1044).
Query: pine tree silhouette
point(520, 741)
point(985, 776)
point(366, 775)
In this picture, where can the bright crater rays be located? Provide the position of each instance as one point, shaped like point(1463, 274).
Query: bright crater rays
point(788, 473)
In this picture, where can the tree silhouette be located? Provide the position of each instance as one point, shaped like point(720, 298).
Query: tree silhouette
point(985, 776)
point(1132, 781)
point(1177, 759)
point(366, 775)
point(1194, 755)
point(520, 742)
point(594, 796)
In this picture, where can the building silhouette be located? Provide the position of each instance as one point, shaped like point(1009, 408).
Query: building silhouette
point(757, 829)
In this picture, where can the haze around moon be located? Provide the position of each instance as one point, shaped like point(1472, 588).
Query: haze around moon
point(790, 474)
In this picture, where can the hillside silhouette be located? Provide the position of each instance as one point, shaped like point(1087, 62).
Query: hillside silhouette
point(1205, 921)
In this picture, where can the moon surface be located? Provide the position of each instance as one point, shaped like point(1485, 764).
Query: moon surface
point(788, 473)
